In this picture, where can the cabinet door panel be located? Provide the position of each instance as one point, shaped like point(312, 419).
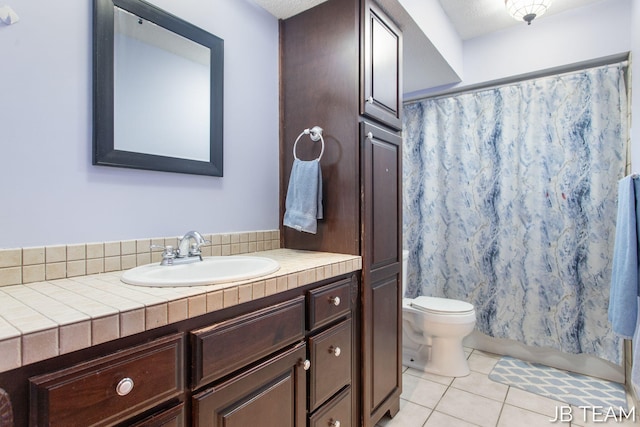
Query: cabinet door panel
point(382, 202)
point(271, 394)
point(384, 58)
point(382, 64)
point(381, 270)
point(384, 329)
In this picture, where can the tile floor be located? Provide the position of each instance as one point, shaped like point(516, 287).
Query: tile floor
point(434, 401)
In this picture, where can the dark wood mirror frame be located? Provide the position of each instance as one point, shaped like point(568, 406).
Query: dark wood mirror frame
point(104, 152)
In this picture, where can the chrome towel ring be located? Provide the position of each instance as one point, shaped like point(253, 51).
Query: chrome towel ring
point(315, 133)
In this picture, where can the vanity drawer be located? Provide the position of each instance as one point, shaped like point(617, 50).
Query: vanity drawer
point(329, 302)
point(336, 412)
point(109, 389)
point(173, 417)
point(225, 347)
point(330, 356)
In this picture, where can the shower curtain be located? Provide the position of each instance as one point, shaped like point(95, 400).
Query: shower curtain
point(510, 204)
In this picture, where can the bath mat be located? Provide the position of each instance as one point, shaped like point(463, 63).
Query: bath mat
point(563, 386)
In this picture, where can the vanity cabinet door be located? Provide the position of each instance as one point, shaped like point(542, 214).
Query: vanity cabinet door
point(381, 269)
point(272, 394)
point(381, 86)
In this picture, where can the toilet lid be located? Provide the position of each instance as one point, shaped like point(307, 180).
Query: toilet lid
point(441, 305)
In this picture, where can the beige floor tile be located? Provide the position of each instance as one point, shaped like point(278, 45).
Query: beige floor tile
point(470, 407)
point(482, 362)
point(438, 419)
point(478, 383)
point(410, 415)
point(420, 391)
point(532, 402)
point(514, 416)
point(475, 400)
point(428, 376)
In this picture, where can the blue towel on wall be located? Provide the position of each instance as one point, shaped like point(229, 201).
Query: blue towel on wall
point(623, 304)
point(303, 205)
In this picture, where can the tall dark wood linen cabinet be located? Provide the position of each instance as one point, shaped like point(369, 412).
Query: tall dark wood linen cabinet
point(341, 69)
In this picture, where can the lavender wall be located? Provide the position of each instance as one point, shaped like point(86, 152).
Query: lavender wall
point(51, 194)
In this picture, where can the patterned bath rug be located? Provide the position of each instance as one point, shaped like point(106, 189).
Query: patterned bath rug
point(563, 386)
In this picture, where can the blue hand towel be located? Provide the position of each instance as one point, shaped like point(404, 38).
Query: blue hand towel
point(303, 206)
point(635, 368)
point(623, 304)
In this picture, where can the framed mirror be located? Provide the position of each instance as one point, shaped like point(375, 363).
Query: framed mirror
point(157, 90)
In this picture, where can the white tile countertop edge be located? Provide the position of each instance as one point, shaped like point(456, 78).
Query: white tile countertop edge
point(42, 320)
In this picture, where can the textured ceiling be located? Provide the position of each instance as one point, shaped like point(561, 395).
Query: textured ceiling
point(284, 9)
point(471, 18)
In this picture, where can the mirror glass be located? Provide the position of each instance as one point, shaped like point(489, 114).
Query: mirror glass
point(157, 90)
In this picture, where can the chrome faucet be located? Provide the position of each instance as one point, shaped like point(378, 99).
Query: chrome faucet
point(188, 249)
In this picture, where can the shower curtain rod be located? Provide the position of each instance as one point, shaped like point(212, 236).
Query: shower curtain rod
point(621, 59)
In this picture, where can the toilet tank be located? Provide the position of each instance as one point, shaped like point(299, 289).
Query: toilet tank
point(405, 261)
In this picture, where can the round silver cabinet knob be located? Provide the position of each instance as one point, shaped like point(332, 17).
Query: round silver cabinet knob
point(370, 100)
point(335, 350)
point(335, 423)
point(306, 365)
point(124, 387)
point(335, 301)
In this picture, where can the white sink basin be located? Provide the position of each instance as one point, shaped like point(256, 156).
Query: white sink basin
point(209, 271)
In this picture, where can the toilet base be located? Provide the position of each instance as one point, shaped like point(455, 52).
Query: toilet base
point(448, 359)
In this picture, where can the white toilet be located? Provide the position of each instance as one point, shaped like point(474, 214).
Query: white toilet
point(433, 330)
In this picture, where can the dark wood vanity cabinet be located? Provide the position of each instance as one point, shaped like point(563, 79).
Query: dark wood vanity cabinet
point(311, 379)
point(288, 359)
point(341, 68)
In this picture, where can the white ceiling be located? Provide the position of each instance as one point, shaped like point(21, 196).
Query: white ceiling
point(471, 18)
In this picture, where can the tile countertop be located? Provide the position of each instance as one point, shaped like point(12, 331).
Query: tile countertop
point(42, 320)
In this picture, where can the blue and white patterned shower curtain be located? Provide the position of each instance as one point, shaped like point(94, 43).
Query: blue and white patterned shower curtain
point(510, 204)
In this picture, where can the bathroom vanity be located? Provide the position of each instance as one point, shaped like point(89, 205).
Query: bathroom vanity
point(286, 356)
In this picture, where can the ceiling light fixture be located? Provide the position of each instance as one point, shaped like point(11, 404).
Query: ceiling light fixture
point(526, 10)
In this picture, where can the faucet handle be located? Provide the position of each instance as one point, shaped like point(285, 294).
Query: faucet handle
point(167, 251)
point(194, 250)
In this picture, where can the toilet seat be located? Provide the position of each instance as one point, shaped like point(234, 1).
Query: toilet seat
point(442, 306)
